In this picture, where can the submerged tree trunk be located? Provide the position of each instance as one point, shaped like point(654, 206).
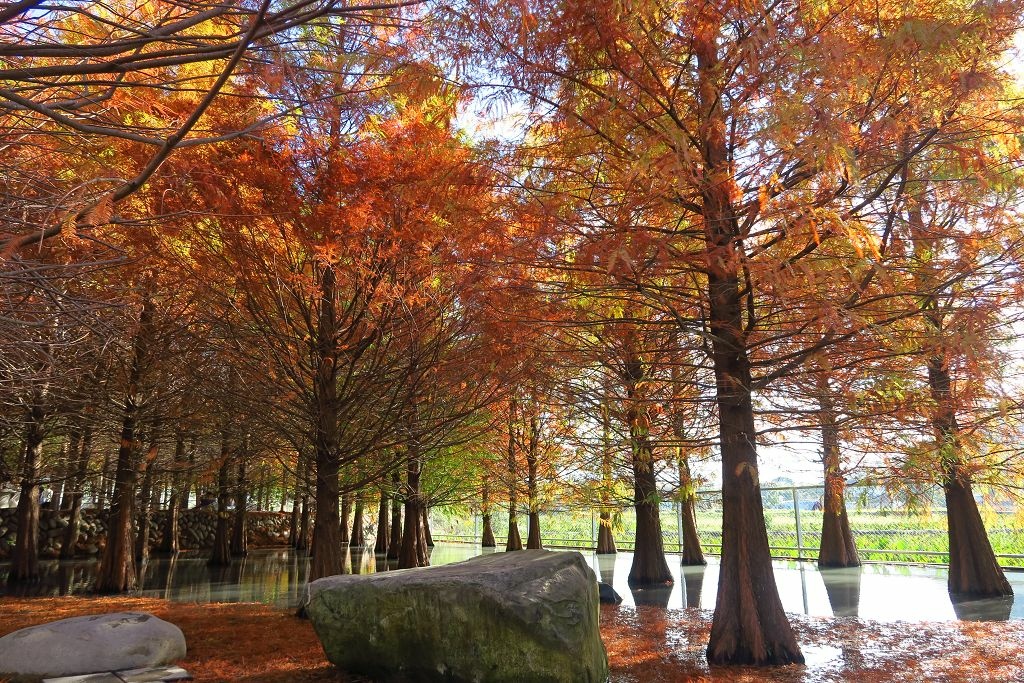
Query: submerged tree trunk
point(240, 530)
point(25, 554)
point(380, 544)
point(395, 542)
point(838, 548)
point(414, 543)
point(84, 445)
point(116, 573)
point(221, 555)
point(649, 564)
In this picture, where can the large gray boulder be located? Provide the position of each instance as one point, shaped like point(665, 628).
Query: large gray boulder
point(91, 644)
point(526, 616)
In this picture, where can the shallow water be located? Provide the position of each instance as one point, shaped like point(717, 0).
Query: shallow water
point(877, 592)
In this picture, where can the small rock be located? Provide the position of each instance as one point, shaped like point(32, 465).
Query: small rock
point(91, 644)
point(609, 595)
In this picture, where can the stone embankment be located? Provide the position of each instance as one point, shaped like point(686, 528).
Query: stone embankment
point(196, 530)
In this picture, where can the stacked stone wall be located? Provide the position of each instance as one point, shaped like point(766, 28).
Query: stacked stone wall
point(196, 530)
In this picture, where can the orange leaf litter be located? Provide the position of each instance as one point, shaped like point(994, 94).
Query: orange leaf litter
point(254, 642)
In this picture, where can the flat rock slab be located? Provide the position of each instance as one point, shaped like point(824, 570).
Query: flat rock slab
point(525, 616)
point(92, 644)
point(160, 674)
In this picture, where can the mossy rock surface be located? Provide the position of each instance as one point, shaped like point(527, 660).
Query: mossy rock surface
point(526, 616)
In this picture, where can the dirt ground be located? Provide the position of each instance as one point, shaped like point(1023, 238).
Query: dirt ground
point(253, 642)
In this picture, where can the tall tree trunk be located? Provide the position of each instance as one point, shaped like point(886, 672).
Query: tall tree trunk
point(414, 543)
point(221, 555)
point(395, 542)
point(838, 548)
point(487, 537)
point(749, 625)
point(357, 539)
point(25, 554)
point(533, 539)
point(117, 573)
point(327, 552)
point(380, 543)
point(169, 541)
point(605, 538)
point(144, 514)
point(240, 532)
point(293, 523)
point(974, 571)
point(649, 564)
point(515, 541)
point(70, 543)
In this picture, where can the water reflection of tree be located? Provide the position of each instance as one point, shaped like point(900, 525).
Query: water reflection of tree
point(989, 609)
point(693, 584)
point(843, 588)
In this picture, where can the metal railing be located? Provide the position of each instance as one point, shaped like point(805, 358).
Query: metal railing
point(885, 529)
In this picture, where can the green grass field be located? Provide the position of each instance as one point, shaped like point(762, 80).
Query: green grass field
point(881, 535)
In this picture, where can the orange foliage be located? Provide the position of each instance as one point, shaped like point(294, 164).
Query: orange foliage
point(251, 642)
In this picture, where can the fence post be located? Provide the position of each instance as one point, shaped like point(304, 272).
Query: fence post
point(799, 531)
point(593, 529)
point(476, 527)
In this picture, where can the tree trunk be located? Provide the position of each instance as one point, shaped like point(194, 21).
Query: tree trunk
point(838, 548)
point(487, 537)
point(101, 483)
point(380, 543)
point(357, 539)
point(414, 543)
point(427, 537)
point(749, 625)
point(293, 522)
point(974, 571)
point(84, 442)
point(240, 532)
point(144, 515)
point(515, 541)
point(304, 541)
point(649, 566)
point(327, 542)
point(221, 555)
point(395, 542)
point(692, 554)
point(25, 554)
point(169, 541)
point(533, 539)
point(346, 514)
point(116, 573)
point(605, 538)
